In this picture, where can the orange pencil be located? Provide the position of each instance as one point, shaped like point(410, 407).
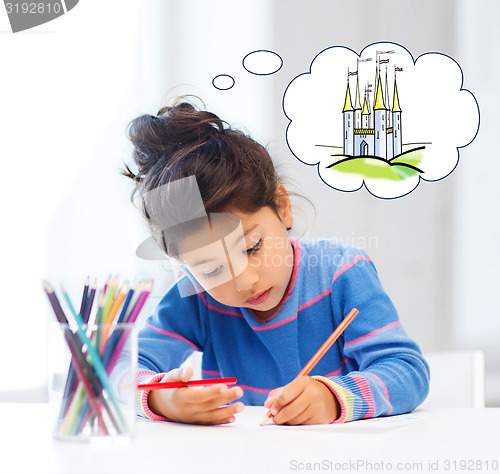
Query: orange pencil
point(322, 351)
point(117, 303)
point(115, 306)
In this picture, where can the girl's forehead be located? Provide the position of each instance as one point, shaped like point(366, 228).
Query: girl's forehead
point(227, 229)
point(215, 227)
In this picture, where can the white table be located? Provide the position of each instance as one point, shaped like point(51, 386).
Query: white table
point(433, 438)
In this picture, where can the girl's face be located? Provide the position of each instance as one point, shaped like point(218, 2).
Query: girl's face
point(262, 282)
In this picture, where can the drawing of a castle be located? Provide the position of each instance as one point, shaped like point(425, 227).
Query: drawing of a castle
point(373, 133)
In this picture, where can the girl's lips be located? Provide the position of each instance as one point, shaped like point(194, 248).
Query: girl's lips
point(260, 298)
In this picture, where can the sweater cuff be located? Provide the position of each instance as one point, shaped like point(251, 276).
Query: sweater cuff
point(339, 394)
point(142, 396)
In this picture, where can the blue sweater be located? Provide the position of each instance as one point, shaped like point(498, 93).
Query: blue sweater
point(373, 369)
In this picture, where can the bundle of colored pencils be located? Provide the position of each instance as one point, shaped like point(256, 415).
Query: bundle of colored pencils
point(89, 403)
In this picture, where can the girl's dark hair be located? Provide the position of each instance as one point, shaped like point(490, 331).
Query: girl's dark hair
point(233, 172)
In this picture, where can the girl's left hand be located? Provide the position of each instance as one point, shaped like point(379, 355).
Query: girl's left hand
point(305, 401)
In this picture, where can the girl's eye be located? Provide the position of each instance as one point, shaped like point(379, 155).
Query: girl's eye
point(212, 273)
point(254, 249)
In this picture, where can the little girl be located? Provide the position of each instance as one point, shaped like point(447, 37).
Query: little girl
point(267, 303)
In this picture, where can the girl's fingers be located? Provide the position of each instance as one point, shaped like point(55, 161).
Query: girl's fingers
point(220, 415)
point(287, 395)
point(271, 397)
point(185, 374)
point(218, 394)
point(293, 413)
point(175, 375)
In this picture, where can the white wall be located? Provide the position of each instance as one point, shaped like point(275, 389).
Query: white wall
point(67, 92)
point(69, 88)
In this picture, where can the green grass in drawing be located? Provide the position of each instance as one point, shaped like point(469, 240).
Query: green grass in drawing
point(399, 168)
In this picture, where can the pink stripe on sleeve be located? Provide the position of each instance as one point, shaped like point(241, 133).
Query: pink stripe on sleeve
point(254, 389)
point(143, 399)
point(350, 264)
point(364, 388)
point(337, 372)
point(171, 334)
point(314, 300)
point(385, 390)
point(211, 372)
point(372, 333)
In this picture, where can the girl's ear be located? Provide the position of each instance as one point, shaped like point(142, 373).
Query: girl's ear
point(284, 206)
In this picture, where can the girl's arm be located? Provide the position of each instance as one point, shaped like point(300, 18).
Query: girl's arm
point(169, 336)
point(393, 377)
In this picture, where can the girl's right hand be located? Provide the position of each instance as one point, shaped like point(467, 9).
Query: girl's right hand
point(201, 405)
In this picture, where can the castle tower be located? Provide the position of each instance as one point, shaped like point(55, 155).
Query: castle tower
point(396, 121)
point(380, 126)
point(348, 112)
point(357, 107)
point(387, 101)
point(365, 115)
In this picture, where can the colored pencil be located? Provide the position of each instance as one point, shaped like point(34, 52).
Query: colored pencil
point(96, 361)
point(84, 296)
point(96, 337)
point(111, 315)
point(117, 341)
point(81, 365)
point(322, 351)
point(94, 356)
point(133, 300)
point(72, 379)
point(109, 297)
point(126, 304)
point(88, 304)
point(191, 383)
point(120, 344)
point(95, 375)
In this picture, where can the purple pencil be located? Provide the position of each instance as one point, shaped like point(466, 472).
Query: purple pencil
point(131, 319)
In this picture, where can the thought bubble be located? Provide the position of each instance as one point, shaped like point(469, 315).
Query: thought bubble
point(380, 119)
point(262, 62)
point(223, 82)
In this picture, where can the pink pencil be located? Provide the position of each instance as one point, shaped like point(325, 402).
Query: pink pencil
point(191, 383)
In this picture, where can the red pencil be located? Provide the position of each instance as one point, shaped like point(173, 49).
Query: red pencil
point(191, 383)
point(321, 351)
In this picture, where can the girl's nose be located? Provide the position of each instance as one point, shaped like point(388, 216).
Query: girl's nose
point(246, 279)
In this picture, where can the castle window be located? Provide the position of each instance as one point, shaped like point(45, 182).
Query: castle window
point(377, 134)
point(382, 127)
point(346, 135)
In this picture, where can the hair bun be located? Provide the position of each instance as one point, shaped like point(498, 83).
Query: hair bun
point(158, 138)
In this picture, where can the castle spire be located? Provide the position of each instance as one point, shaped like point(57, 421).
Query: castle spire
point(357, 104)
point(366, 106)
point(347, 105)
point(395, 106)
point(379, 96)
point(386, 90)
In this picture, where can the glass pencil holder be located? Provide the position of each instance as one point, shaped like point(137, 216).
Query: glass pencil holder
point(92, 380)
